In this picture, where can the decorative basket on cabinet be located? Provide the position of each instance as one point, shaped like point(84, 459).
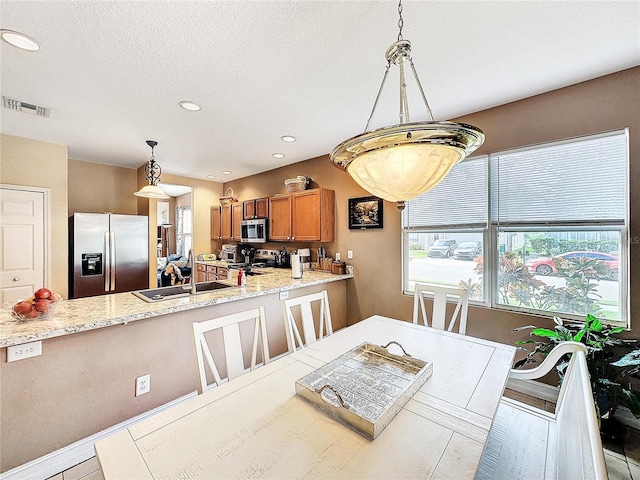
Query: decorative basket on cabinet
point(228, 198)
point(296, 184)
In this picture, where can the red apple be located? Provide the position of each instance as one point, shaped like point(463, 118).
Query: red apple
point(43, 305)
point(22, 308)
point(42, 293)
point(33, 313)
point(55, 297)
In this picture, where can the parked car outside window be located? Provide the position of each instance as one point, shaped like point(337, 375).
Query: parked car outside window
point(546, 266)
point(442, 248)
point(467, 251)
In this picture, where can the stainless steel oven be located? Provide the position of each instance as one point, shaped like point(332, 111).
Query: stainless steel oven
point(253, 231)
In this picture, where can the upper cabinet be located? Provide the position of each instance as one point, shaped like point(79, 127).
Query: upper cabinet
point(216, 223)
point(305, 216)
point(256, 208)
point(236, 219)
point(226, 227)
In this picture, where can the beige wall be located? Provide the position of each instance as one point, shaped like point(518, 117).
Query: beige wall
point(603, 104)
point(85, 382)
point(97, 188)
point(39, 164)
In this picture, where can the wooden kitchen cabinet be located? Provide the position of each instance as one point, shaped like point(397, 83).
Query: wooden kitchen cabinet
point(216, 223)
point(225, 222)
point(306, 216)
point(210, 273)
point(236, 220)
point(256, 208)
point(280, 218)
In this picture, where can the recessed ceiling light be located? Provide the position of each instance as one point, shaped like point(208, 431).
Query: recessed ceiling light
point(192, 107)
point(288, 138)
point(278, 155)
point(211, 176)
point(226, 172)
point(19, 40)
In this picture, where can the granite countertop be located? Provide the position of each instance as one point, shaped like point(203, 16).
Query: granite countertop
point(83, 314)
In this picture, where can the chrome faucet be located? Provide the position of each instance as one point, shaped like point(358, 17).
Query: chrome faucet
point(191, 263)
point(191, 260)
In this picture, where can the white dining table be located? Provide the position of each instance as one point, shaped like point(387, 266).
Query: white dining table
point(256, 427)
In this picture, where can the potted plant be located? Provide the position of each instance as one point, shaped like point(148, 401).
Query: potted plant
point(613, 362)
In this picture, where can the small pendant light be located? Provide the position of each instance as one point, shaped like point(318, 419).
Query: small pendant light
point(152, 173)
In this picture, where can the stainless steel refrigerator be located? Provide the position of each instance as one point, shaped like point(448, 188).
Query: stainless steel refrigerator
point(108, 253)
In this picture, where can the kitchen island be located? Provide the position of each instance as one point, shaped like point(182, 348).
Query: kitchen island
point(93, 349)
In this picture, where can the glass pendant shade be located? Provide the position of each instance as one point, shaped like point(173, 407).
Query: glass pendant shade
point(399, 163)
point(151, 191)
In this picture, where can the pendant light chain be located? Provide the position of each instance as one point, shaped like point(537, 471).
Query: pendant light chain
point(400, 21)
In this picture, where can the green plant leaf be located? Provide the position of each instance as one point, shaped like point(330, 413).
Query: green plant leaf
point(544, 332)
point(578, 336)
point(630, 359)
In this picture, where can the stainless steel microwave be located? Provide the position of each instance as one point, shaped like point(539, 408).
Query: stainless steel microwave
point(253, 231)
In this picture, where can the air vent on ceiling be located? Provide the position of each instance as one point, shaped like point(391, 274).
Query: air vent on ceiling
point(13, 104)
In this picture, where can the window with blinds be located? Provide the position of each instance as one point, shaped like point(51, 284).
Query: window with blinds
point(582, 180)
point(540, 229)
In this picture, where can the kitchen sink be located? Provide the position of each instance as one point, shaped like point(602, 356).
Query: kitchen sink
point(167, 293)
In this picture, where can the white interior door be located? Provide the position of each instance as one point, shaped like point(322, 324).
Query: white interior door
point(22, 243)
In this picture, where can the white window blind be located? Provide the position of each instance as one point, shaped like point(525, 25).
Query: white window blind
point(459, 200)
point(581, 180)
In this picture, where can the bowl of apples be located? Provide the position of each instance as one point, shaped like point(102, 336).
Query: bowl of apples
point(38, 307)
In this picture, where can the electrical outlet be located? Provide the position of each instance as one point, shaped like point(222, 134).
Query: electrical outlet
point(350, 254)
point(25, 350)
point(284, 295)
point(143, 384)
point(337, 256)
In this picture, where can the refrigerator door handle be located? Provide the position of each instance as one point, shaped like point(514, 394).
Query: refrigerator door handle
point(112, 244)
point(107, 262)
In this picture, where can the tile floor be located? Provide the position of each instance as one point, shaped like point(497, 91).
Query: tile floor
point(623, 460)
point(87, 470)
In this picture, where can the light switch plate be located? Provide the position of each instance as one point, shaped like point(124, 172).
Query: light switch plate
point(25, 350)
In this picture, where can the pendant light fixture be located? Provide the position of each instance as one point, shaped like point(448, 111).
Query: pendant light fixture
point(152, 173)
point(399, 162)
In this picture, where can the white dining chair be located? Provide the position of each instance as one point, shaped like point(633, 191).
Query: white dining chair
point(306, 304)
point(230, 327)
point(439, 311)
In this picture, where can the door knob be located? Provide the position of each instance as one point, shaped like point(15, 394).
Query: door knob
point(15, 279)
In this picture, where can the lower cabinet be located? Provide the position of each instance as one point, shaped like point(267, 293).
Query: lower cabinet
point(210, 273)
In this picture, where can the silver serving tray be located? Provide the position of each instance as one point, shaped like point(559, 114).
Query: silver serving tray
point(366, 387)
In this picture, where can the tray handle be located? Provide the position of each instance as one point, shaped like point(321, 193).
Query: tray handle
point(338, 396)
point(401, 347)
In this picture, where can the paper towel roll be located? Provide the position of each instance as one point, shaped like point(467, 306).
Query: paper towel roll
point(296, 266)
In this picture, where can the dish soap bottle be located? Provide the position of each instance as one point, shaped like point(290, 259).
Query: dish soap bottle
point(241, 280)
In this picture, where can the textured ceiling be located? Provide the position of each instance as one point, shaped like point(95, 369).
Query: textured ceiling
point(113, 72)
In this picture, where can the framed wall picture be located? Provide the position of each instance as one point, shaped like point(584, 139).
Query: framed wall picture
point(365, 212)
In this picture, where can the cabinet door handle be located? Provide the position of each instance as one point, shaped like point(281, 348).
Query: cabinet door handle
point(15, 279)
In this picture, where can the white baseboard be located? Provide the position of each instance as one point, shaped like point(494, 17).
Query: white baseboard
point(78, 452)
point(534, 388)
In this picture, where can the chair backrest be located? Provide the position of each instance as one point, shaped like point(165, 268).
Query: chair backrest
point(307, 321)
point(579, 450)
point(439, 312)
point(549, 361)
point(230, 326)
